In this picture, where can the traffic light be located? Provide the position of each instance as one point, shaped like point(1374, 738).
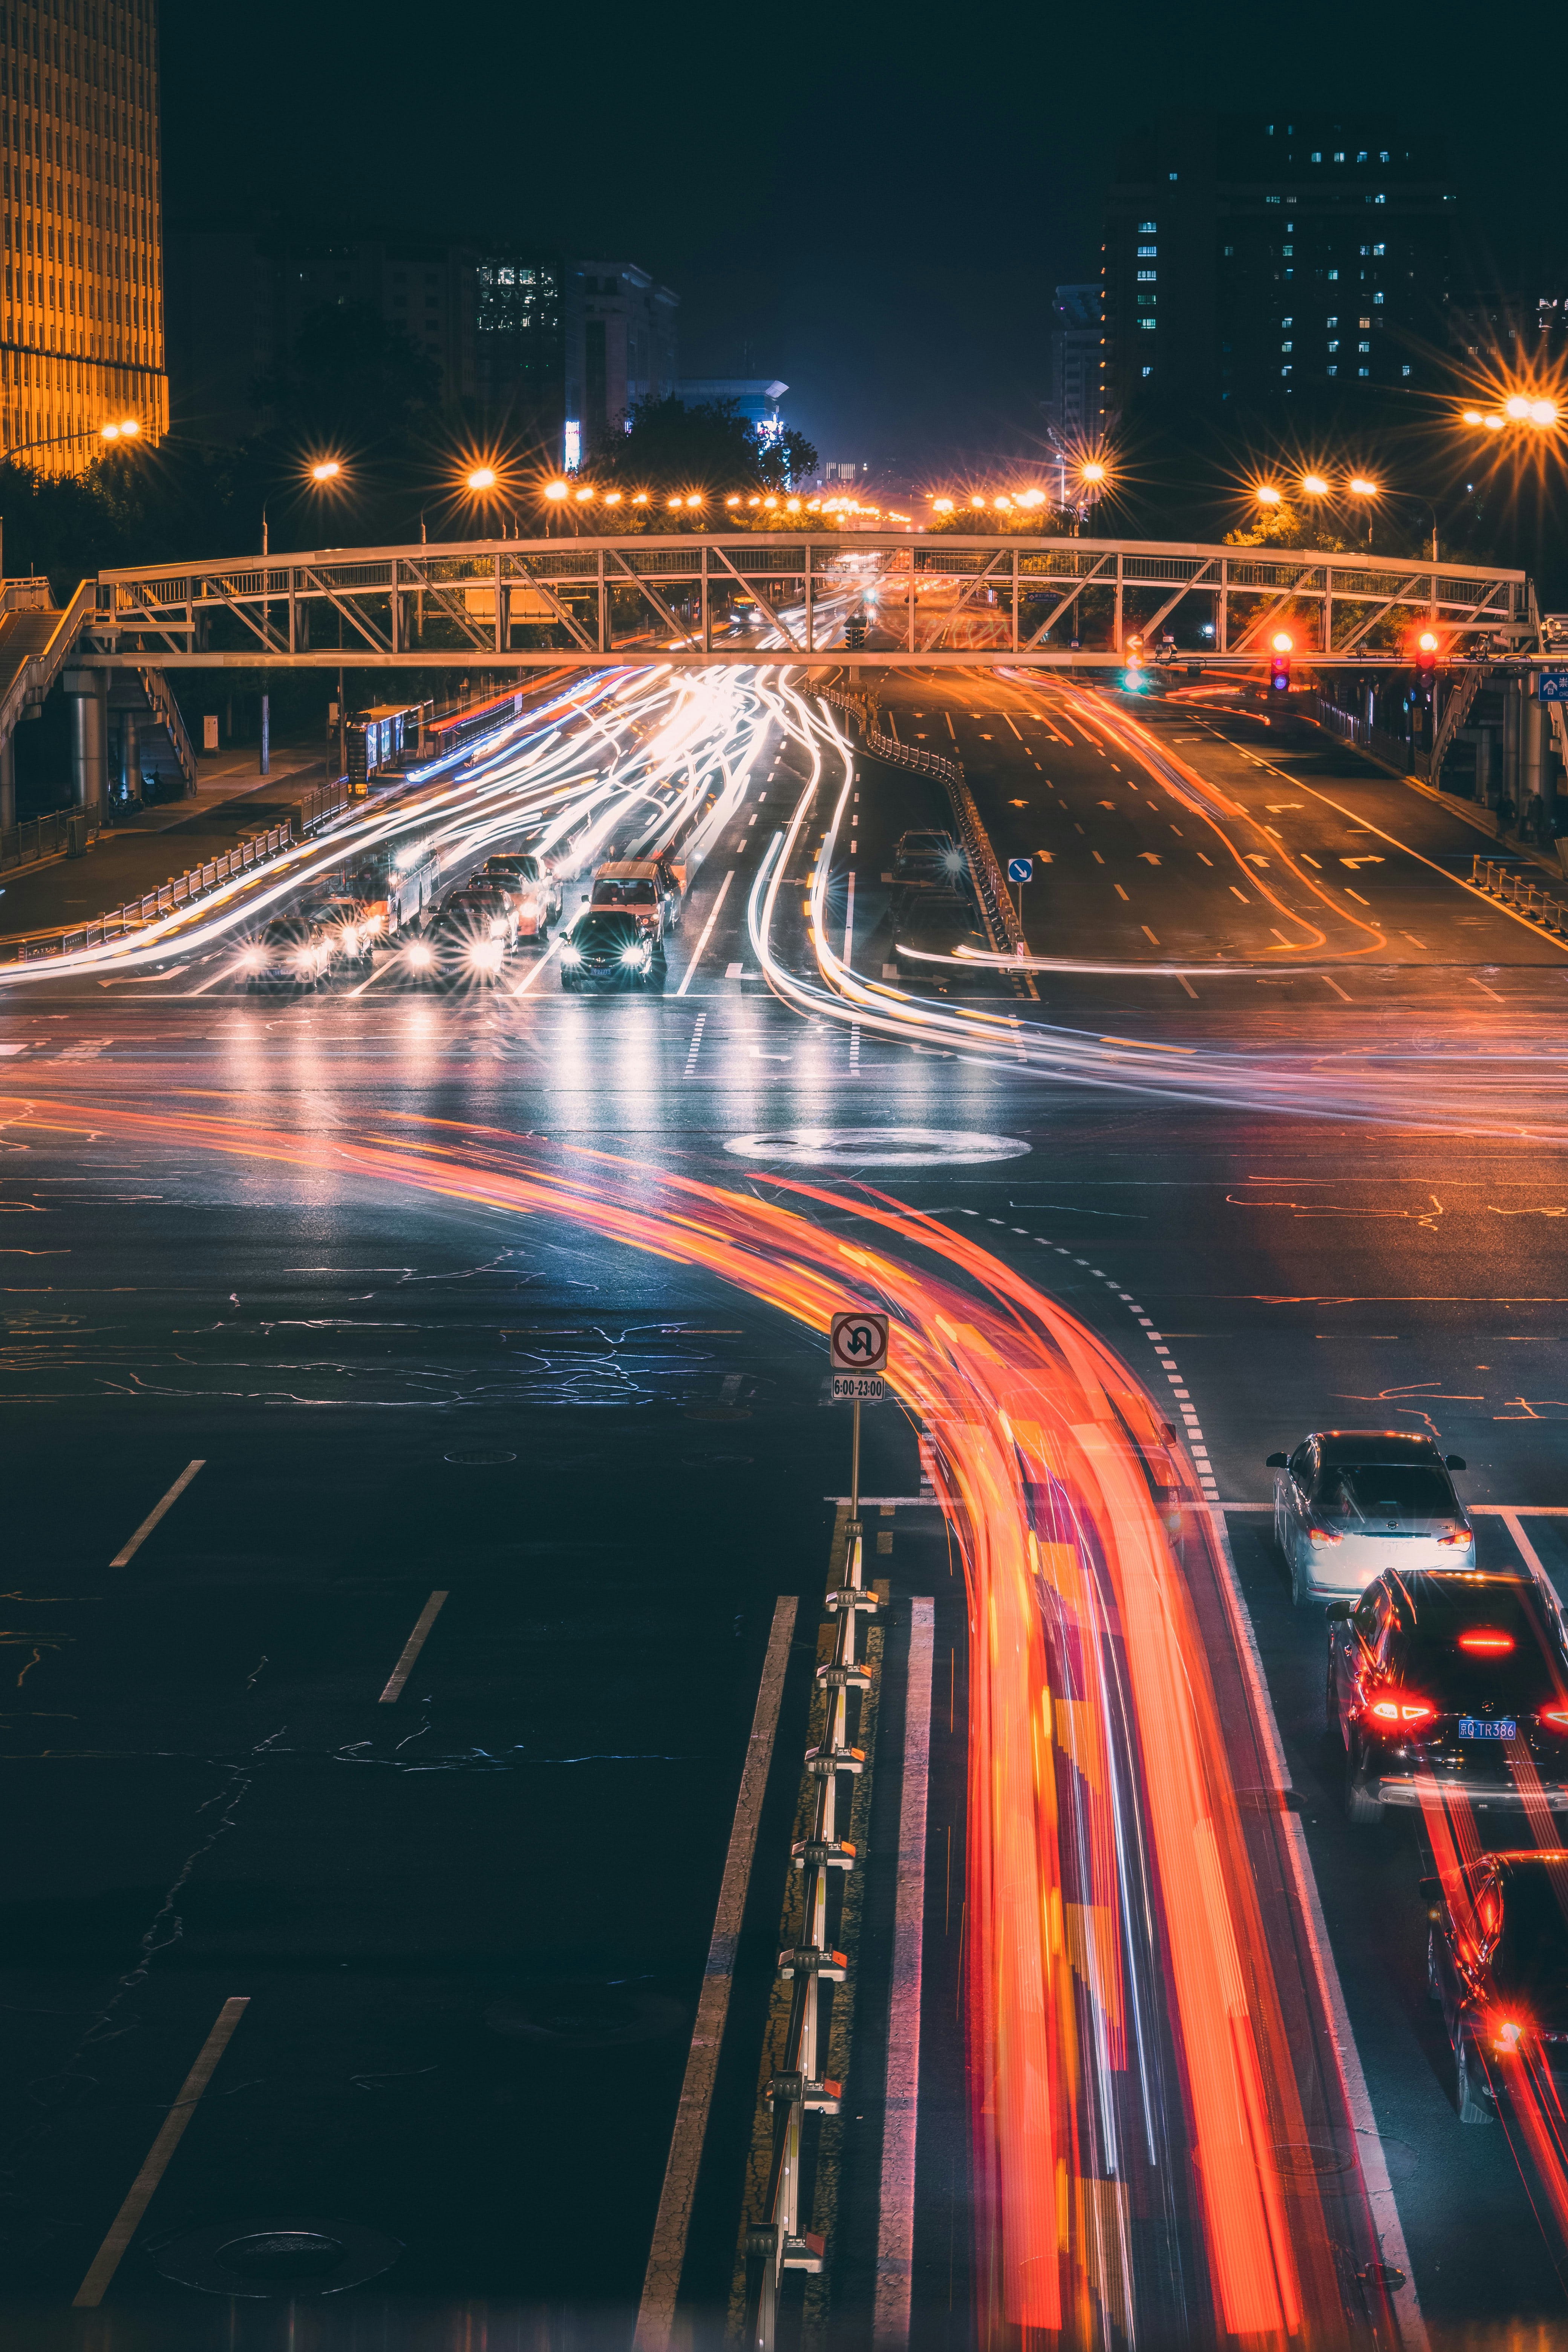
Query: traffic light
point(1134, 678)
point(854, 632)
point(1425, 664)
point(1280, 663)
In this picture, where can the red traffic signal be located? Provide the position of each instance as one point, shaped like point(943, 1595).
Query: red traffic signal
point(1280, 663)
point(1425, 656)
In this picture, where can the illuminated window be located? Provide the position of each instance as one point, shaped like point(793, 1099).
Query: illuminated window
point(1363, 347)
point(1287, 250)
point(1147, 276)
point(1286, 347)
point(1287, 322)
point(1148, 228)
point(1147, 323)
point(1148, 252)
point(1317, 154)
point(1404, 371)
point(1363, 323)
point(1339, 157)
point(1363, 371)
point(1332, 370)
point(1333, 273)
point(1361, 157)
point(1335, 344)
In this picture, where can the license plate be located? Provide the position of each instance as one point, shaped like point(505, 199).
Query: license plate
point(1503, 1726)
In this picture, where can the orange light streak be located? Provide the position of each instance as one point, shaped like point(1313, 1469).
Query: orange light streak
point(1040, 1441)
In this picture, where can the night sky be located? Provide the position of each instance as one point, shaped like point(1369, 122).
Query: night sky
point(873, 205)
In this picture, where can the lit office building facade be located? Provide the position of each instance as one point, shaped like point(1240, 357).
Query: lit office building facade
point(81, 321)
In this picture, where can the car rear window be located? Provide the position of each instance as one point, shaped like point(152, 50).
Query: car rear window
point(1532, 1952)
point(1385, 1490)
point(625, 894)
point(1431, 1652)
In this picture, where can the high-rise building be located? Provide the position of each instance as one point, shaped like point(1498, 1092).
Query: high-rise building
point(553, 350)
point(1072, 410)
point(81, 328)
point(1254, 264)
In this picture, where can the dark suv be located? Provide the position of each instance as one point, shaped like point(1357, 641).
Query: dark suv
point(1497, 1961)
point(1451, 1685)
point(608, 946)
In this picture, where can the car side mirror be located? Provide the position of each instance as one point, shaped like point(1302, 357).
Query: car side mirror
point(1277, 1462)
point(1339, 1612)
point(584, 900)
point(1452, 1461)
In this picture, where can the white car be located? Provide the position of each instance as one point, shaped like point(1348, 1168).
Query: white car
point(1351, 1503)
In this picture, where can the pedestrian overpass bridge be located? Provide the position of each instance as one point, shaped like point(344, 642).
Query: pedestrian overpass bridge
point(695, 598)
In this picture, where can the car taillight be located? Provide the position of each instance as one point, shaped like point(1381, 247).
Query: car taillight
point(1324, 1535)
point(1557, 1716)
point(1400, 1713)
point(1484, 1644)
point(1506, 2040)
point(1460, 1538)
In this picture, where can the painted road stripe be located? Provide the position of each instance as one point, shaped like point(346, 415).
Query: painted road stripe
point(1374, 2164)
point(123, 1558)
point(901, 2103)
point(128, 2221)
point(525, 984)
point(666, 2255)
point(688, 975)
point(411, 1649)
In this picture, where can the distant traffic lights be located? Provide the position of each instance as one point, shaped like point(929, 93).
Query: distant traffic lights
point(1426, 663)
point(1280, 663)
point(854, 632)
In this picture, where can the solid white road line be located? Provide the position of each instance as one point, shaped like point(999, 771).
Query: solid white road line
point(411, 1649)
point(849, 922)
point(1527, 1550)
point(1358, 2100)
point(666, 2255)
point(128, 2221)
point(123, 1558)
point(689, 973)
point(900, 2102)
point(524, 985)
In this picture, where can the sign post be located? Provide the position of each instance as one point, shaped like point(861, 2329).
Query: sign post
point(1020, 870)
point(858, 1351)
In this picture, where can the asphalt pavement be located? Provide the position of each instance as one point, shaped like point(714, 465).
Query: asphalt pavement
point(471, 1921)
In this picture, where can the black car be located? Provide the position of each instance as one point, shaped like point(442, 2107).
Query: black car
point(1497, 1961)
point(928, 860)
point(466, 946)
point(1454, 1682)
point(609, 947)
point(289, 952)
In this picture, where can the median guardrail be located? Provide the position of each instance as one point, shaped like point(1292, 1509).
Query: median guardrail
point(776, 2241)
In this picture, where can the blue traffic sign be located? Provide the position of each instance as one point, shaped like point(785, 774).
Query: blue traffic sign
point(1552, 685)
point(1020, 870)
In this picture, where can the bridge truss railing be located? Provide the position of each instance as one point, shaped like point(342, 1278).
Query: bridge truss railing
point(693, 594)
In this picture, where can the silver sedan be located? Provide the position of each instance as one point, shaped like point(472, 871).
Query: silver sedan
point(1351, 1503)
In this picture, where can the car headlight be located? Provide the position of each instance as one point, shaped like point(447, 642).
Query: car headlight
point(570, 954)
point(634, 955)
point(253, 960)
point(419, 956)
point(485, 954)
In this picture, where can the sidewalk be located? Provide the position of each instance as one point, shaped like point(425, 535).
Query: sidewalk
point(232, 802)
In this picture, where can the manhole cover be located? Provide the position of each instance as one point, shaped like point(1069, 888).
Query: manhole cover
point(1312, 2161)
point(585, 2016)
point(474, 1457)
point(286, 2255)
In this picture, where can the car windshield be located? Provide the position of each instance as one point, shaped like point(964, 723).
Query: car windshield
point(625, 894)
point(1479, 1642)
point(1531, 1962)
point(525, 869)
point(1375, 1491)
point(605, 930)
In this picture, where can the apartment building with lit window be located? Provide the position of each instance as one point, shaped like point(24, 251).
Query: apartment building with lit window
point(81, 321)
point(1260, 264)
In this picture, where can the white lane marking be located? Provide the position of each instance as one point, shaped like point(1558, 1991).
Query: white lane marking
point(1478, 983)
point(128, 2221)
point(900, 2099)
point(1527, 1550)
point(123, 1556)
point(225, 972)
point(411, 1649)
point(696, 1042)
point(1335, 986)
point(849, 923)
point(666, 2255)
point(1342, 2040)
point(388, 963)
point(690, 972)
point(524, 984)
point(1187, 984)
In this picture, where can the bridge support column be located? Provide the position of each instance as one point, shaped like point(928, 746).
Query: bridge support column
point(9, 785)
point(1531, 748)
point(87, 691)
point(129, 757)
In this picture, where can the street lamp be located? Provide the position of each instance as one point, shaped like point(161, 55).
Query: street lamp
point(1360, 488)
point(124, 428)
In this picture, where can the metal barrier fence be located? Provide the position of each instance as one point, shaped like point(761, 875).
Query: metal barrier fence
point(1508, 885)
point(181, 891)
point(321, 804)
point(778, 2242)
point(1392, 749)
point(35, 838)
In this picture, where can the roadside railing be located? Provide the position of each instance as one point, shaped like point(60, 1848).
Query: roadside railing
point(321, 804)
point(1392, 749)
point(181, 890)
point(37, 837)
point(777, 2242)
point(1509, 886)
